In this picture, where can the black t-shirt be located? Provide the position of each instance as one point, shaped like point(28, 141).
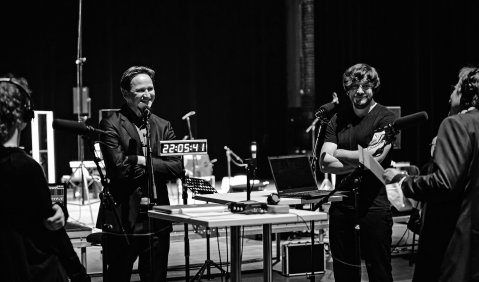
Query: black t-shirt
point(348, 131)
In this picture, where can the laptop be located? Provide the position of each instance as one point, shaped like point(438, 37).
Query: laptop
point(294, 177)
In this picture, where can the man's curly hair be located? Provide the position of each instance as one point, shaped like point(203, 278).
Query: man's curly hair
point(13, 104)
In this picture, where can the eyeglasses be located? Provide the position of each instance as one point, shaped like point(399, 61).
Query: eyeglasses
point(365, 87)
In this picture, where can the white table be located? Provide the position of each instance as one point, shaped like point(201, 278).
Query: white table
point(235, 221)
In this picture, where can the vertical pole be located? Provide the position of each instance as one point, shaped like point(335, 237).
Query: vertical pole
point(235, 254)
point(267, 254)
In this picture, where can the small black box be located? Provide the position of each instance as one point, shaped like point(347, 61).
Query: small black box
point(296, 258)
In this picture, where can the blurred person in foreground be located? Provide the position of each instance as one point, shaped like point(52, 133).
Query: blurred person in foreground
point(449, 239)
point(34, 243)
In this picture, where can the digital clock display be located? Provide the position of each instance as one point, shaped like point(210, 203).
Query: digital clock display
point(183, 147)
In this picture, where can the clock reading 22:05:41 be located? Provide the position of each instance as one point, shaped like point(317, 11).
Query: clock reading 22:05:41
point(183, 147)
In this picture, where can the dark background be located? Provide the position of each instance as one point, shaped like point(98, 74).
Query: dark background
point(226, 60)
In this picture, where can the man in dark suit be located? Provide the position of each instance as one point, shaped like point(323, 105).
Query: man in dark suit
point(133, 186)
point(449, 238)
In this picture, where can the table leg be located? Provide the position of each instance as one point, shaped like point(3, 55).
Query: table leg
point(187, 253)
point(83, 256)
point(267, 254)
point(235, 254)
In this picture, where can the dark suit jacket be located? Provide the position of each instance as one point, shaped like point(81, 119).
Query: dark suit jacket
point(128, 182)
point(449, 239)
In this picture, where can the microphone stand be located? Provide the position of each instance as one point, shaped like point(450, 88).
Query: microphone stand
point(351, 182)
point(108, 203)
point(190, 134)
point(250, 174)
point(323, 121)
point(149, 162)
point(230, 153)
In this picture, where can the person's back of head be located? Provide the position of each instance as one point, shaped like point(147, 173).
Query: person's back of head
point(15, 105)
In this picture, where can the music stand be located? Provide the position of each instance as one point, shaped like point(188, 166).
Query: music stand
point(201, 186)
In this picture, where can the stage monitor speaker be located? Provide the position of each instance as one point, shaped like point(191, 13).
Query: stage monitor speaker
point(397, 112)
point(104, 113)
point(296, 259)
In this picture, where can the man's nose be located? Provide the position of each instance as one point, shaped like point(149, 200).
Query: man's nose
point(147, 93)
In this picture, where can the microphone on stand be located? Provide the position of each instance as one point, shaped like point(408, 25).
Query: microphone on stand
point(229, 151)
point(192, 113)
point(406, 121)
point(392, 129)
point(325, 109)
point(76, 127)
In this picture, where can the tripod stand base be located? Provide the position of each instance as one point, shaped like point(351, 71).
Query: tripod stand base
point(209, 263)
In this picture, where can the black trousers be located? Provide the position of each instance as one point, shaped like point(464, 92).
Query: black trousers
point(151, 250)
point(374, 240)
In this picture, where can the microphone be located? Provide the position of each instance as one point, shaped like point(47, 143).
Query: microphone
point(76, 127)
point(409, 120)
point(147, 111)
point(325, 109)
point(192, 113)
point(229, 151)
point(146, 114)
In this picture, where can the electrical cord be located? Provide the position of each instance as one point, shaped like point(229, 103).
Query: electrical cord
point(302, 219)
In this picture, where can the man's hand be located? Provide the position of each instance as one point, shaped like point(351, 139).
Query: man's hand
point(135, 160)
point(376, 146)
point(56, 221)
point(389, 174)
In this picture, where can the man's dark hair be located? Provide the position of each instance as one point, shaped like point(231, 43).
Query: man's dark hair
point(361, 73)
point(469, 77)
point(129, 74)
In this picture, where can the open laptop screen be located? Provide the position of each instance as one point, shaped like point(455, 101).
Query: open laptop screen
point(292, 173)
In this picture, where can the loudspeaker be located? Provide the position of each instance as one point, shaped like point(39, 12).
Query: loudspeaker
point(296, 259)
point(397, 112)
